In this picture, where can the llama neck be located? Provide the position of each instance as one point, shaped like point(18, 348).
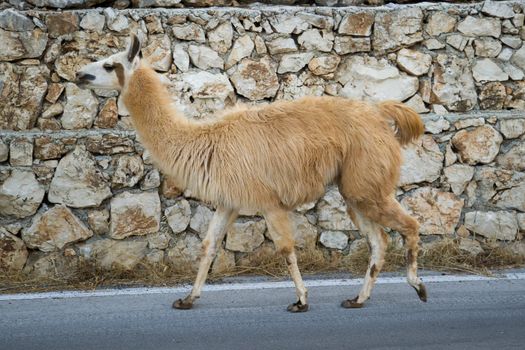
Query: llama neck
point(169, 136)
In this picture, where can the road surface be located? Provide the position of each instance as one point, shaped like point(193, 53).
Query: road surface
point(463, 314)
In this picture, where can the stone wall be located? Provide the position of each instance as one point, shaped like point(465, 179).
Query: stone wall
point(76, 184)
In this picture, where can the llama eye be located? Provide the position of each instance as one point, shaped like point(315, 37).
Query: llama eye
point(108, 67)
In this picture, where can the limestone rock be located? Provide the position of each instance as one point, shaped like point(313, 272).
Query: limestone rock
point(288, 23)
point(80, 109)
point(158, 52)
point(4, 151)
point(204, 58)
point(190, 31)
point(78, 182)
point(187, 250)
point(468, 122)
point(181, 57)
point(93, 21)
point(334, 239)
point(48, 148)
point(470, 246)
point(294, 62)
point(397, 28)
point(54, 229)
point(151, 180)
point(129, 171)
point(110, 254)
point(453, 85)
point(376, 80)
point(413, 62)
point(487, 47)
point(68, 64)
point(242, 48)
point(513, 198)
point(21, 152)
point(313, 39)
point(476, 26)
point(224, 262)
point(458, 176)
point(53, 111)
point(158, 240)
point(22, 91)
point(108, 116)
point(51, 265)
point(423, 162)
point(513, 158)
point(208, 85)
point(61, 23)
point(480, 145)
point(512, 128)
point(305, 234)
point(98, 220)
point(255, 80)
point(436, 126)
point(357, 24)
point(20, 194)
point(350, 44)
point(497, 9)
point(500, 225)
point(134, 214)
point(417, 104)
point(437, 212)
point(13, 252)
point(324, 64)
point(220, 38)
point(109, 144)
point(14, 21)
point(61, 4)
point(440, 22)
point(331, 212)
point(487, 70)
point(457, 41)
point(245, 236)
point(201, 220)
point(493, 96)
point(518, 58)
point(116, 22)
point(178, 216)
point(18, 45)
point(281, 45)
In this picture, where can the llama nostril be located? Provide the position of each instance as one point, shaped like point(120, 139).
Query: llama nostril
point(84, 76)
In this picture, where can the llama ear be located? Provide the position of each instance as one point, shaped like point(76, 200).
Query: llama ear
point(134, 48)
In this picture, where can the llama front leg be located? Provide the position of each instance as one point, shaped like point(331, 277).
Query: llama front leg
point(280, 229)
point(219, 224)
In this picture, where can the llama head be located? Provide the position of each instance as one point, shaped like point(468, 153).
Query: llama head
point(112, 72)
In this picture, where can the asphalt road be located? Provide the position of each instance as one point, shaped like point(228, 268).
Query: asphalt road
point(458, 315)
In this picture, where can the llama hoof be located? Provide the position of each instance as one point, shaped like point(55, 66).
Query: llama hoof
point(421, 292)
point(182, 304)
point(297, 307)
point(351, 304)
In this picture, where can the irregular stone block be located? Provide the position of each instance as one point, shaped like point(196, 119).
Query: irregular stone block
point(134, 214)
point(54, 229)
point(20, 194)
point(78, 182)
point(437, 212)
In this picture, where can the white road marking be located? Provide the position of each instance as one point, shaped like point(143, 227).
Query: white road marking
point(250, 286)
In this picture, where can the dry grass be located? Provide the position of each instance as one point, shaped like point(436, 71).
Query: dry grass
point(441, 256)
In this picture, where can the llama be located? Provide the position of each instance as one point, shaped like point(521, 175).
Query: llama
point(272, 159)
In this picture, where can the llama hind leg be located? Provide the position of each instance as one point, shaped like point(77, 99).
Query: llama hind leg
point(280, 229)
point(377, 240)
point(391, 214)
point(216, 231)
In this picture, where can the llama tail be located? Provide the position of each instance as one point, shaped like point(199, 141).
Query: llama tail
point(408, 124)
